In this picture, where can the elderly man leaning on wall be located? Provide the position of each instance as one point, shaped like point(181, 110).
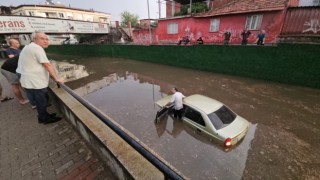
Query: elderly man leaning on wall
point(35, 71)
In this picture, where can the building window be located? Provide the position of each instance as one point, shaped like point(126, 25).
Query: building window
point(214, 25)
point(316, 2)
point(31, 13)
point(89, 18)
point(172, 28)
point(254, 22)
point(61, 15)
point(103, 20)
point(69, 15)
point(80, 17)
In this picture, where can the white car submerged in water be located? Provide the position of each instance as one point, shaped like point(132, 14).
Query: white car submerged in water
point(210, 117)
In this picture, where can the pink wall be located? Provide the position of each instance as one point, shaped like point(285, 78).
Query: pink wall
point(196, 27)
point(142, 36)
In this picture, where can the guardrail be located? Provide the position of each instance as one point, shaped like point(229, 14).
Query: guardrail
point(167, 171)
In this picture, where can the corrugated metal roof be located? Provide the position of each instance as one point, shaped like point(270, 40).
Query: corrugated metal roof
point(302, 21)
point(244, 6)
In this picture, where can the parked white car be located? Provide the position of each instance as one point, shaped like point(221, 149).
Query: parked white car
point(211, 118)
point(71, 41)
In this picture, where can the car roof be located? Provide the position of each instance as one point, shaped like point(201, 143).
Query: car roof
point(204, 103)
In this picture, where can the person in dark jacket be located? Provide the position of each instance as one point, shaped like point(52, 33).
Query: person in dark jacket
point(13, 50)
point(245, 36)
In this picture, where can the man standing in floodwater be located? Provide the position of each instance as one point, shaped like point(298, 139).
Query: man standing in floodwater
point(176, 100)
point(35, 70)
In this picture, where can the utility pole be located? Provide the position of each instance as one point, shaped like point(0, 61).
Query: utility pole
point(149, 24)
point(190, 7)
point(159, 9)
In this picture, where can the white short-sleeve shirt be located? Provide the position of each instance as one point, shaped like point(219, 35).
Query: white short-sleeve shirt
point(33, 73)
point(177, 100)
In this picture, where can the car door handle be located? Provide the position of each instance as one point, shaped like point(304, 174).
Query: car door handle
point(199, 130)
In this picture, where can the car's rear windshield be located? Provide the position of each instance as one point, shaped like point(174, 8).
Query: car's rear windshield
point(222, 117)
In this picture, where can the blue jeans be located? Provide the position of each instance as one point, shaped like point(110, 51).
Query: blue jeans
point(41, 98)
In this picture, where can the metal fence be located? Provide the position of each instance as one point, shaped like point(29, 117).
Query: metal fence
point(302, 21)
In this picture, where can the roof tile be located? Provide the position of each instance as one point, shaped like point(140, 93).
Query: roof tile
point(242, 6)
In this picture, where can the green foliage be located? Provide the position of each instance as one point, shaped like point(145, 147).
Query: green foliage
point(292, 64)
point(154, 24)
point(126, 17)
point(196, 8)
point(199, 7)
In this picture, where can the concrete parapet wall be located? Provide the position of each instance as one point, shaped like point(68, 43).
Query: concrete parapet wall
point(124, 161)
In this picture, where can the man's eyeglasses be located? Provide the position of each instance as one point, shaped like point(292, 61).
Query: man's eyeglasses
point(44, 39)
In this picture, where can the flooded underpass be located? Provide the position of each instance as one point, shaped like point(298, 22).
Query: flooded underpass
point(283, 140)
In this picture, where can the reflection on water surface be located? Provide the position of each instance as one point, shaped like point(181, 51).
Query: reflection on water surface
point(283, 137)
point(129, 100)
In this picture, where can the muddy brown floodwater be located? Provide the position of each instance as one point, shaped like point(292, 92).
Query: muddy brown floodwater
point(283, 141)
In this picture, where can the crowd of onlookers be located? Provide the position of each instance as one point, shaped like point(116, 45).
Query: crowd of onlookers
point(245, 34)
point(28, 72)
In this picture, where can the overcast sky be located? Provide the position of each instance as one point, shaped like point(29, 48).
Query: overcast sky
point(114, 7)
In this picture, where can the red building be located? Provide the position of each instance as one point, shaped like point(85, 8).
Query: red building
point(233, 15)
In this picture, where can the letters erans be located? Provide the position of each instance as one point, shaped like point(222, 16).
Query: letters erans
point(12, 24)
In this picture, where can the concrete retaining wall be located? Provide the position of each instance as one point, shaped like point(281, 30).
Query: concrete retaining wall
point(124, 161)
point(296, 64)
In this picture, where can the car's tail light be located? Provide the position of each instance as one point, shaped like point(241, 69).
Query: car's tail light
point(227, 143)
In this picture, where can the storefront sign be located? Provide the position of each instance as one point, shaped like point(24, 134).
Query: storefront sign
point(20, 24)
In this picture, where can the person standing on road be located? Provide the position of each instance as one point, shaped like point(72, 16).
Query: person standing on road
point(245, 35)
point(13, 52)
point(227, 36)
point(261, 37)
point(176, 100)
point(35, 71)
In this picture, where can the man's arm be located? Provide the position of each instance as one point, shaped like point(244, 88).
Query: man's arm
point(52, 73)
point(9, 53)
point(168, 104)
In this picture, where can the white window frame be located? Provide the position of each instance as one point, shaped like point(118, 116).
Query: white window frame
point(214, 25)
point(172, 28)
point(316, 3)
point(254, 22)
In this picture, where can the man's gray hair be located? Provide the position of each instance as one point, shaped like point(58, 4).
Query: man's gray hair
point(34, 35)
